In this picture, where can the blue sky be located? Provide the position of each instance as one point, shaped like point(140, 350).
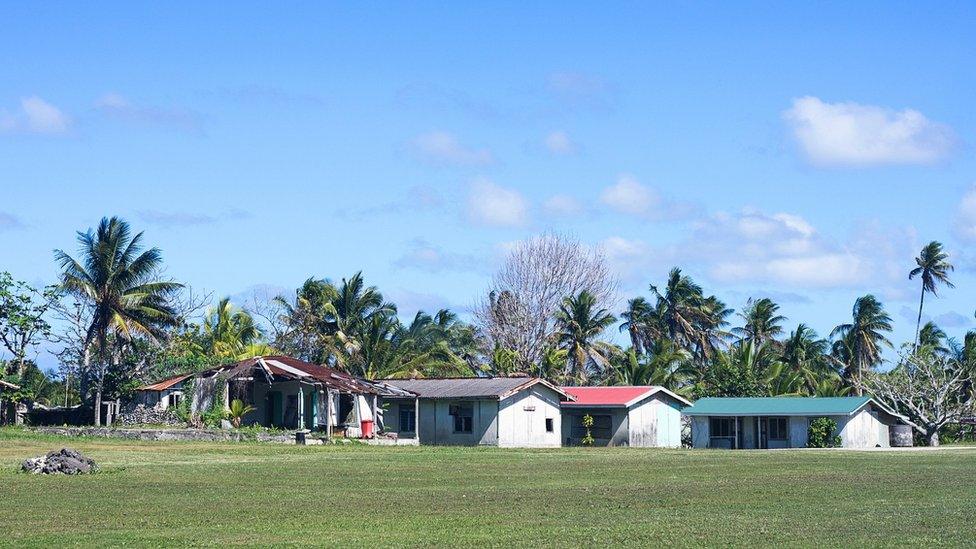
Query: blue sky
point(805, 154)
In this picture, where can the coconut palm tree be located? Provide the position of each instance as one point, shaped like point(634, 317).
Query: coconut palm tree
point(120, 281)
point(933, 268)
point(228, 331)
point(762, 323)
point(680, 307)
point(864, 337)
point(579, 324)
point(933, 337)
point(806, 354)
point(641, 322)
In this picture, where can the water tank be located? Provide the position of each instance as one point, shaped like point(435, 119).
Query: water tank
point(901, 436)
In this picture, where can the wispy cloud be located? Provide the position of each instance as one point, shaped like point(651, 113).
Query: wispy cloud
point(442, 147)
point(492, 205)
point(425, 256)
point(418, 198)
point(964, 223)
point(116, 106)
point(35, 116)
point(174, 219)
point(851, 134)
point(560, 143)
point(10, 222)
point(562, 205)
point(270, 94)
point(630, 196)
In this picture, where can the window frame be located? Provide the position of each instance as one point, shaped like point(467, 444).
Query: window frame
point(412, 415)
point(780, 421)
point(463, 414)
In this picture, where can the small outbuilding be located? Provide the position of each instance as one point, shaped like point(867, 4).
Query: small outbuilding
point(784, 422)
point(164, 394)
point(648, 416)
point(498, 411)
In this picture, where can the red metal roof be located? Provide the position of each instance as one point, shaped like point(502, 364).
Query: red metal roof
point(613, 396)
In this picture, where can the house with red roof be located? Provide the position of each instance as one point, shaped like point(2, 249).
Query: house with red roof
point(648, 416)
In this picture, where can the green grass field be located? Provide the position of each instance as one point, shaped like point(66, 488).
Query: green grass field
point(251, 493)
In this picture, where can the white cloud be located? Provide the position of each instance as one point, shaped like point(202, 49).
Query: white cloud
point(559, 143)
point(427, 257)
point(35, 116)
point(491, 204)
point(629, 196)
point(562, 205)
point(119, 107)
point(964, 224)
point(9, 222)
point(850, 134)
point(444, 148)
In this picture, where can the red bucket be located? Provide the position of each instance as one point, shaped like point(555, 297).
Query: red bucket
point(367, 428)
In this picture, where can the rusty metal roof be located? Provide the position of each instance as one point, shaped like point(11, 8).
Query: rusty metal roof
point(164, 384)
point(472, 387)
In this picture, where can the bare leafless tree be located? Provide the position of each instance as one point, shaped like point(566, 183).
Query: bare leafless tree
point(518, 311)
point(931, 390)
point(72, 318)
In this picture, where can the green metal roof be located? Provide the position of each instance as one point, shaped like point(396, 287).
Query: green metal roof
point(777, 406)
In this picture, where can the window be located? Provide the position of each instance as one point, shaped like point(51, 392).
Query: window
point(173, 400)
point(779, 428)
point(548, 424)
point(408, 421)
point(721, 427)
point(463, 417)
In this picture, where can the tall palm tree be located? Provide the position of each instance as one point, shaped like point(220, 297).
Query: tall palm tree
point(933, 268)
point(934, 338)
point(806, 354)
point(864, 336)
point(228, 331)
point(579, 324)
point(762, 323)
point(120, 281)
point(680, 307)
point(641, 322)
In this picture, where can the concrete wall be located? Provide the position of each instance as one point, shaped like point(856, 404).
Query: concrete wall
point(699, 432)
point(655, 422)
point(522, 419)
point(799, 431)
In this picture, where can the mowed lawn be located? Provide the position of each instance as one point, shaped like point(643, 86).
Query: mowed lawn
point(157, 493)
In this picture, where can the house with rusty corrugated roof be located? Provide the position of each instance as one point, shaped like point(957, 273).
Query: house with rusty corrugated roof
point(487, 411)
point(648, 416)
point(285, 393)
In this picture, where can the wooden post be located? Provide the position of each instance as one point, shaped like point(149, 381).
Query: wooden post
point(735, 437)
point(416, 418)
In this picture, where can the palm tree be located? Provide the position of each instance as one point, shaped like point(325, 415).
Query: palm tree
point(578, 325)
point(806, 354)
point(933, 337)
point(864, 336)
point(120, 282)
point(762, 323)
point(680, 307)
point(641, 323)
point(229, 331)
point(933, 268)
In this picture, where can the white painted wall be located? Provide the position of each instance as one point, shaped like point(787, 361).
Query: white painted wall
point(522, 419)
point(655, 423)
point(436, 424)
point(862, 430)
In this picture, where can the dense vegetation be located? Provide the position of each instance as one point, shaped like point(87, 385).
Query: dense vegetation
point(117, 322)
point(166, 493)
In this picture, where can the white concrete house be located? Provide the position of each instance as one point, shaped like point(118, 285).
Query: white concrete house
point(647, 416)
point(501, 411)
point(783, 422)
point(167, 393)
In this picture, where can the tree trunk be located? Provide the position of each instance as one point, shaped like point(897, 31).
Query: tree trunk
point(918, 323)
point(98, 398)
point(933, 437)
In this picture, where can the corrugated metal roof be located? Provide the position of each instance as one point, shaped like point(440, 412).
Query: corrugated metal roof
point(616, 396)
point(469, 387)
point(164, 384)
point(777, 406)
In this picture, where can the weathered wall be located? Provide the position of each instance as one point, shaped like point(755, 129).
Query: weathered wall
point(862, 430)
point(699, 432)
point(522, 419)
point(436, 424)
point(799, 431)
point(572, 421)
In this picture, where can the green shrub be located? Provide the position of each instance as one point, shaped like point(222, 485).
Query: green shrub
point(821, 433)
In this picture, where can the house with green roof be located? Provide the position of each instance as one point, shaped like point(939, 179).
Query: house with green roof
point(783, 422)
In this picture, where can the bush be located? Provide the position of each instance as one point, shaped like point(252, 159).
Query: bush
point(821, 433)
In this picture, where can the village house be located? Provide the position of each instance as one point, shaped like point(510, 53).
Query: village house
point(783, 422)
point(285, 392)
point(499, 411)
point(648, 416)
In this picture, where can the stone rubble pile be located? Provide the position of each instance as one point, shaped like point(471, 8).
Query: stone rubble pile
point(60, 462)
point(140, 415)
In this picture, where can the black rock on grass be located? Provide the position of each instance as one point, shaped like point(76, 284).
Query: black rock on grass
point(60, 462)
